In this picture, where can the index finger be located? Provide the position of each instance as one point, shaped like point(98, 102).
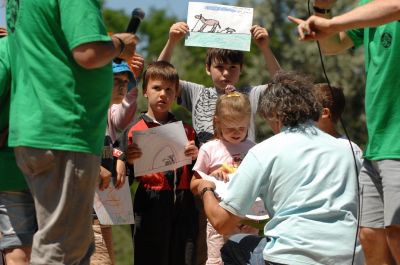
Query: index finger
point(295, 20)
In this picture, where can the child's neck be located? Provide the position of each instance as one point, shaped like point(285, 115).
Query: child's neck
point(159, 117)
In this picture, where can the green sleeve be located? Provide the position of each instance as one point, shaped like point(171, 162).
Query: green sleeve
point(82, 22)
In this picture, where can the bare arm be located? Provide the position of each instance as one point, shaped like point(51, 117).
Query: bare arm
point(176, 33)
point(372, 14)
point(261, 38)
point(222, 220)
point(97, 54)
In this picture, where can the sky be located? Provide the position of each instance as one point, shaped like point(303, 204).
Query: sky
point(176, 7)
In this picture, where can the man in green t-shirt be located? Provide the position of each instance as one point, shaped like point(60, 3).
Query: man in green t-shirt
point(17, 210)
point(376, 26)
point(61, 86)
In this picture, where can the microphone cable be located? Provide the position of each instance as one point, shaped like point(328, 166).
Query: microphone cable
point(350, 143)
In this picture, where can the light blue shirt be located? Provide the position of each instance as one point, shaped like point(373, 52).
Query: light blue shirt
point(307, 180)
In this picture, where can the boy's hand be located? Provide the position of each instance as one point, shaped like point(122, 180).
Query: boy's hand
point(191, 150)
point(105, 178)
point(133, 153)
point(137, 65)
point(260, 36)
point(178, 31)
point(220, 174)
point(121, 174)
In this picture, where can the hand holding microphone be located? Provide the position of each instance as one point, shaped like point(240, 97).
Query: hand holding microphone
point(127, 41)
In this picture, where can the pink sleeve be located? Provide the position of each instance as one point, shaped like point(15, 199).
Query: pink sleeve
point(202, 162)
point(121, 115)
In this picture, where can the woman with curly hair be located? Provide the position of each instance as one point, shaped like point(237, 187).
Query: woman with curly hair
point(306, 179)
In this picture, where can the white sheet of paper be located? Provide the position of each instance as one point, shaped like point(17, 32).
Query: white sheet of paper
point(114, 206)
point(220, 186)
point(162, 148)
point(257, 212)
point(219, 26)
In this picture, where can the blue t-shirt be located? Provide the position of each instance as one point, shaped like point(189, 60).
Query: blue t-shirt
point(307, 180)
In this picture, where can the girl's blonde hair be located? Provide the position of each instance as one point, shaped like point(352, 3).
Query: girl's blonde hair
point(232, 107)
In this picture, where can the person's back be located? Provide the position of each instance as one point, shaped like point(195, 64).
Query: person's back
point(65, 99)
point(306, 179)
point(60, 61)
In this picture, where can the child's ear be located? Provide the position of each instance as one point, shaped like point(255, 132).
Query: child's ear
point(208, 69)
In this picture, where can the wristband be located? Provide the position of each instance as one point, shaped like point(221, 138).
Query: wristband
point(204, 190)
point(121, 46)
point(321, 10)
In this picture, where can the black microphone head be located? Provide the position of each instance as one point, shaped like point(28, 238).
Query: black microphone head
point(138, 12)
point(136, 18)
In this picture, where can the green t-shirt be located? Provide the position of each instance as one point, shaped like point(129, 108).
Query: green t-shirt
point(382, 96)
point(11, 177)
point(55, 103)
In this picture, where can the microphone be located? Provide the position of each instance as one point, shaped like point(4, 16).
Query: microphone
point(136, 17)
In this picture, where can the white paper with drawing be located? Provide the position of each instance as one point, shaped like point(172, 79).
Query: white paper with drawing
point(219, 26)
point(114, 206)
point(163, 149)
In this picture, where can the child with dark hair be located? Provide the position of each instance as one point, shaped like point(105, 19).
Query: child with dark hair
point(165, 214)
point(224, 67)
point(333, 102)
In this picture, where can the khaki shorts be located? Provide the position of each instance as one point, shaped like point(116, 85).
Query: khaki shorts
point(380, 193)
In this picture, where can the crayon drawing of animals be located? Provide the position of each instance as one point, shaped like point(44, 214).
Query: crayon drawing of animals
point(213, 23)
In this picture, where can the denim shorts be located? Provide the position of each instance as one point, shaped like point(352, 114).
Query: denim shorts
point(17, 219)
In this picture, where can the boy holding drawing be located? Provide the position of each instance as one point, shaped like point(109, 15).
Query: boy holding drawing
point(224, 67)
point(165, 214)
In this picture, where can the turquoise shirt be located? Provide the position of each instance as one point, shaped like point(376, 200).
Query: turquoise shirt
point(307, 181)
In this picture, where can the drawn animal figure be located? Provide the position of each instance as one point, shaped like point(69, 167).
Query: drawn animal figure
point(213, 23)
point(228, 30)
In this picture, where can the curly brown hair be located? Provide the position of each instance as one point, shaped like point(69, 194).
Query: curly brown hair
point(290, 98)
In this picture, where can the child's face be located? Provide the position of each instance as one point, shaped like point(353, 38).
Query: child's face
point(160, 95)
point(234, 131)
point(223, 74)
point(120, 87)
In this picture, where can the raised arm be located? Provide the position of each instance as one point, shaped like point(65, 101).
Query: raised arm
point(261, 39)
point(121, 115)
point(176, 33)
